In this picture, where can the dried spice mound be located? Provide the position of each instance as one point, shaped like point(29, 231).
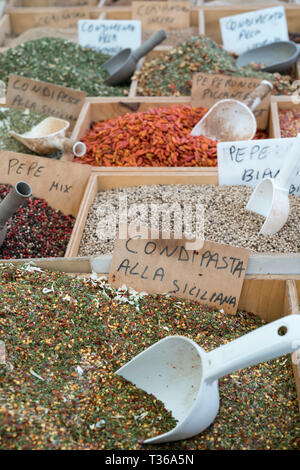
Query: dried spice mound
point(35, 230)
point(226, 219)
point(65, 337)
point(61, 62)
point(171, 74)
point(289, 122)
point(157, 137)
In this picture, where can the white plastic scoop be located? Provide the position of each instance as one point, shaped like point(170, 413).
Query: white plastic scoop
point(230, 120)
point(185, 377)
point(49, 136)
point(270, 198)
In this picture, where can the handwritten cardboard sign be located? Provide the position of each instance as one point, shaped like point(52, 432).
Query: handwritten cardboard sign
point(254, 29)
point(212, 276)
point(166, 15)
point(207, 89)
point(110, 36)
point(45, 98)
point(62, 18)
point(246, 163)
point(62, 184)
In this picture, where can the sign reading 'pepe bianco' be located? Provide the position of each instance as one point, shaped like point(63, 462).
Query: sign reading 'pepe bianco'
point(254, 29)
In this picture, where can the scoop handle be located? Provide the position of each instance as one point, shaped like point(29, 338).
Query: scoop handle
point(257, 95)
point(262, 344)
point(290, 165)
point(148, 45)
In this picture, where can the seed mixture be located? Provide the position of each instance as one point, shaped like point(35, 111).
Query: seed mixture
point(157, 137)
point(61, 62)
point(171, 74)
point(289, 120)
point(226, 219)
point(36, 230)
point(65, 337)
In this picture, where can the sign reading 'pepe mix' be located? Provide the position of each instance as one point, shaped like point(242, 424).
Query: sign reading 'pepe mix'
point(212, 276)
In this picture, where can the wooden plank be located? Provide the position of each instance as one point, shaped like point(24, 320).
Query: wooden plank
point(291, 304)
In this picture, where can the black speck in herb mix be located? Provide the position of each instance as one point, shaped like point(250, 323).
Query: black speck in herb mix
point(61, 62)
point(36, 230)
point(65, 337)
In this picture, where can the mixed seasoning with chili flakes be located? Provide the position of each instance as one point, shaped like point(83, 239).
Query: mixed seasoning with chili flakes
point(65, 337)
point(61, 62)
point(171, 73)
point(157, 137)
point(289, 120)
point(36, 230)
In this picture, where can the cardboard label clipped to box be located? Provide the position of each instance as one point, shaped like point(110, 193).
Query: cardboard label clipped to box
point(165, 15)
point(62, 184)
point(45, 98)
point(212, 275)
point(208, 89)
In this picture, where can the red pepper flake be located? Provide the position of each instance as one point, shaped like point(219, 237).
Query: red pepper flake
point(157, 137)
point(289, 122)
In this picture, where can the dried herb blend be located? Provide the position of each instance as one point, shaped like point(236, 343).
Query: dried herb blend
point(18, 121)
point(39, 32)
point(157, 137)
point(36, 230)
point(289, 120)
point(61, 62)
point(65, 337)
point(226, 219)
point(171, 74)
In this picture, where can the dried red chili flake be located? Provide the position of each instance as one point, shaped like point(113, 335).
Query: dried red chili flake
point(289, 122)
point(36, 230)
point(157, 137)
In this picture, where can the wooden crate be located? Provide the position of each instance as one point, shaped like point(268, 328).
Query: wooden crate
point(277, 103)
point(264, 288)
point(96, 109)
point(51, 3)
point(61, 184)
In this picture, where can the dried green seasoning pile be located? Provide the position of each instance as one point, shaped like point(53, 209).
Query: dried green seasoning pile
point(171, 74)
point(226, 219)
point(19, 121)
point(61, 62)
point(64, 339)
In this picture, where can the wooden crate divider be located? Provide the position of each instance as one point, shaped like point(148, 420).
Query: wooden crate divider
point(280, 103)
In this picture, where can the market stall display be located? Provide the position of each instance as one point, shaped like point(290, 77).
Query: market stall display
point(116, 312)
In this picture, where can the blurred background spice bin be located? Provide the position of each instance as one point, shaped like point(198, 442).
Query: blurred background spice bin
point(144, 132)
point(285, 112)
point(60, 62)
point(22, 24)
point(170, 73)
point(73, 364)
point(262, 299)
point(175, 36)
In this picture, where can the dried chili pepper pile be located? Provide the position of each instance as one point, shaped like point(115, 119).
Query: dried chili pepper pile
point(64, 339)
point(157, 137)
point(36, 230)
point(289, 120)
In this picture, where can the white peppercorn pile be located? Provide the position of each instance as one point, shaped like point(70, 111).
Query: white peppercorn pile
point(226, 218)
